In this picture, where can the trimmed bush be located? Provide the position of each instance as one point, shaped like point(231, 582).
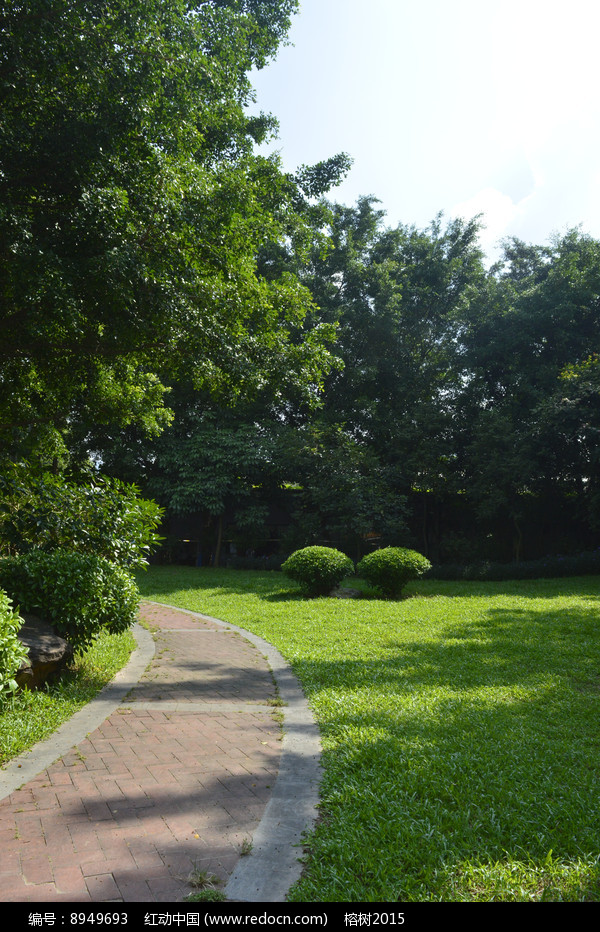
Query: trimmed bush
point(391, 568)
point(12, 651)
point(79, 594)
point(318, 570)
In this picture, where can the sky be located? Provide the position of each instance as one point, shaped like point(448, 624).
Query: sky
point(454, 106)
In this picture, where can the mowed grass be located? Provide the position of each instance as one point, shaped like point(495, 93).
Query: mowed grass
point(460, 728)
point(33, 715)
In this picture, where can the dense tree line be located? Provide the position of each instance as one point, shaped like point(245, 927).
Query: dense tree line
point(178, 311)
point(461, 416)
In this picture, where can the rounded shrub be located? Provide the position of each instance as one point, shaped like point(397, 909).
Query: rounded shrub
point(12, 651)
point(318, 570)
point(391, 568)
point(79, 594)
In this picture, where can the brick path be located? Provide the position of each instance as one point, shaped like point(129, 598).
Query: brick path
point(170, 784)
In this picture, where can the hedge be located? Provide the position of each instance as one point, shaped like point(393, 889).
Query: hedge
point(12, 651)
point(79, 594)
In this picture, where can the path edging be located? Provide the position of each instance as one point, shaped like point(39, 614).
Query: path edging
point(273, 865)
point(28, 765)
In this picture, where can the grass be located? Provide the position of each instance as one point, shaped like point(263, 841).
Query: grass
point(33, 715)
point(459, 727)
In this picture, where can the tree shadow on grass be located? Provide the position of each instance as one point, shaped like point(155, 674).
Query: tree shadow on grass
point(479, 758)
point(455, 766)
point(284, 595)
point(269, 586)
point(428, 801)
point(273, 585)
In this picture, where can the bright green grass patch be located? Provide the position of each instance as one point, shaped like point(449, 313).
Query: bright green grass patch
point(460, 730)
point(33, 715)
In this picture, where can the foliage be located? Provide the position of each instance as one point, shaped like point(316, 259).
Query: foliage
point(464, 385)
point(104, 517)
point(345, 493)
point(145, 245)
point(318, 570)
point(398, 296)
point(529, 395)
point(133, 211)
point(216, 460)
point(391, 568)
point(211, 462)
point(206, 896)
point(572, 414)
point(467, 400)
point(80, 594)
point(12, 651)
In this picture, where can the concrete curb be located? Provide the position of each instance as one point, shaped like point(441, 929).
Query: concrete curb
point(273, 865)
point(31, 763)
point(268, 872)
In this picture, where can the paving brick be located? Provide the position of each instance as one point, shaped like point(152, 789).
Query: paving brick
point(10, 883)
point(102, 887)
point(129, 812)
point(36, 869)
point(133, 887)
point(38, 893)
point(69, 882)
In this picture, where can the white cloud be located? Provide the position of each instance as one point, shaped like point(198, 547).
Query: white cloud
point(499, 214)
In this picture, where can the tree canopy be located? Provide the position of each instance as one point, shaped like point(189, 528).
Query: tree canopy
point(132, 211)
point(178, 310)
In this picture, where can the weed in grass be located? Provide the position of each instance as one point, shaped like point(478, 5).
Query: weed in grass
point(550, 879)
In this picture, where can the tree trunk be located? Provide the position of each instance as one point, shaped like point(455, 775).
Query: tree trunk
point(425, 526)
point(518, 540)
point(219, 541)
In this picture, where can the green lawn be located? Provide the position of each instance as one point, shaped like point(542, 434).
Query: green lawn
point(460, 726)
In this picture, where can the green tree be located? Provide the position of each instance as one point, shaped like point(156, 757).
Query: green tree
point(132, 210)
point(345, 496)
point(571, 417)
point(212, 462)
point(102, 517)
point(399, 297)
point(528, 390)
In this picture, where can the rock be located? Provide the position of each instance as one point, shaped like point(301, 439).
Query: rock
point(346, 593)
point(48, 653)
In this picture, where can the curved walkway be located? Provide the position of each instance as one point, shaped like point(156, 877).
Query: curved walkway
point(168, 777)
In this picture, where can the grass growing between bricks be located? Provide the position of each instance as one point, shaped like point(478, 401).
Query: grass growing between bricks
point(33, 715)
point(460, 728)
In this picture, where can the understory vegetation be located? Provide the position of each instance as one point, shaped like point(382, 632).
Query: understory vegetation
point(459, 727)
